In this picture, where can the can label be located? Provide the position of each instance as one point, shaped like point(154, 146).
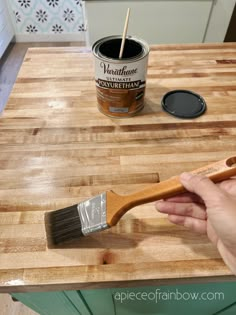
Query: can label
point(120, 76)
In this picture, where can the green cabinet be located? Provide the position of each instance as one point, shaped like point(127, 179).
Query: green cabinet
point(229, 310)
point(55, 303)
point(194, 299)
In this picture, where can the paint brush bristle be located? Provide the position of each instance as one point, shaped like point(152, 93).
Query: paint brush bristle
point(64, 225)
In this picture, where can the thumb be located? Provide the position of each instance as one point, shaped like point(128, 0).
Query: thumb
point(203, 187)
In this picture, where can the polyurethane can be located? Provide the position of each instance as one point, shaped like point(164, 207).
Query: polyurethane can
point(120, 83)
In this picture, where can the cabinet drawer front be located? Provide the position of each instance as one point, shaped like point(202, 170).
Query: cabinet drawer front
point(3, 20)
point(5, 38)
point(158, 22)
point(2, 6)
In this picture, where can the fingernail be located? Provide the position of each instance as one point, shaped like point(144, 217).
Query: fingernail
point(159, 206)
point(186, 176)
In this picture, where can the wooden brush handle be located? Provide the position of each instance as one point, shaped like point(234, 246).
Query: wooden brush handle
point(217, 172)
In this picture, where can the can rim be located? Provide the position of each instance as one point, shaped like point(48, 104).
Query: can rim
point(141, 55)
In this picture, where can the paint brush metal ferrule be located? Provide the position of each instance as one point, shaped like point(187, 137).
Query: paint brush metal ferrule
point(93, 214)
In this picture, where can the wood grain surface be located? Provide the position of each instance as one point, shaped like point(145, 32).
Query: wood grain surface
point(56, 149)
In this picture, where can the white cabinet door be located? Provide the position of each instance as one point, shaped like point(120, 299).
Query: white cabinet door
point(219, 20)
point(156, 21)
point(6, 30)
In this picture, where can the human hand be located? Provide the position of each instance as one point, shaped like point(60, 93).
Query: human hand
point(207, 208)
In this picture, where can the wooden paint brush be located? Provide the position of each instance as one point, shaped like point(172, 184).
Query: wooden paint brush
point(105, 210)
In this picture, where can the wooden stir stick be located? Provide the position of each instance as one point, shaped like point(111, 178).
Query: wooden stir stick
point(124, 34)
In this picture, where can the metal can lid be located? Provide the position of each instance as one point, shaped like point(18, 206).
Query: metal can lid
point(183, 104)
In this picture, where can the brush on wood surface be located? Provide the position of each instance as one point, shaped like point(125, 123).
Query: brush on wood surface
point(105, 210)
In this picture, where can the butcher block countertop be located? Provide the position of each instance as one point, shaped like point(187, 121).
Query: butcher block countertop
point(57, 149)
